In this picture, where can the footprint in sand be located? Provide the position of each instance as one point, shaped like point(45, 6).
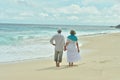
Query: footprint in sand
point(104, 61)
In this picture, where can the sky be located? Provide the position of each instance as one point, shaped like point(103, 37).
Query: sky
point(68, 12)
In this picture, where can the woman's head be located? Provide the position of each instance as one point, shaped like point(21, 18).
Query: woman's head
point(72, 32)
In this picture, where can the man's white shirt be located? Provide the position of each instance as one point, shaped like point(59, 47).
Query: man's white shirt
point(59, 41)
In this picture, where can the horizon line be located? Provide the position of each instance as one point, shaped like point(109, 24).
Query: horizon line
point(52, 24)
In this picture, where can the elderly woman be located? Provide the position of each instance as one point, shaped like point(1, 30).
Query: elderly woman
point(72, 48)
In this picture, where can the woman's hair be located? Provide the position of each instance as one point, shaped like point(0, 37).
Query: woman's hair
point(72, 32)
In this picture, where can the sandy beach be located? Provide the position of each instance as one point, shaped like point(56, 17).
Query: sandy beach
point(100, 62)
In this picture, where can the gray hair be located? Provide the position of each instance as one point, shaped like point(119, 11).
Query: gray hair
point(59, 30)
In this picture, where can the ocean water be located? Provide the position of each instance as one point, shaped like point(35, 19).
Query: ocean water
point(31, 41)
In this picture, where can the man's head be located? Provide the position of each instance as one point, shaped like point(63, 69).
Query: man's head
point(59, 30)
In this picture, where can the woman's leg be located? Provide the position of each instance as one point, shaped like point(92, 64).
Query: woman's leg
point(70, 63)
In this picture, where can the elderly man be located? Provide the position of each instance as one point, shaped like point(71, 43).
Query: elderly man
point(58, 41)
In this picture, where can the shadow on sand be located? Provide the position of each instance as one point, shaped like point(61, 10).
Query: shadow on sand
point(58, 68)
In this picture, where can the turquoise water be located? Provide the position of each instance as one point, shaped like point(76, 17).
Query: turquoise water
point(29, 41)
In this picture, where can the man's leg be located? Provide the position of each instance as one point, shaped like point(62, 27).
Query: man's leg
point(60, 57)
point(56, 58)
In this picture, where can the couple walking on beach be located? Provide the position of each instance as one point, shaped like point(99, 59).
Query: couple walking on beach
point(71, 46)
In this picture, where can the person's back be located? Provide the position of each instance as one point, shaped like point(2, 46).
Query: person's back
point(58, 41)
point(72, 48)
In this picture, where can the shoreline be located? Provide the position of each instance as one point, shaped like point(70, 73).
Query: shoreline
point(102, 63)
point(82, 42)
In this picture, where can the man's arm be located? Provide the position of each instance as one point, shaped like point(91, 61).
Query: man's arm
point(66, 45)
point(64, 40)
point(51, 40)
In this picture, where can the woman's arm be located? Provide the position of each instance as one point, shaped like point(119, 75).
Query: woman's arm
point(77, 46)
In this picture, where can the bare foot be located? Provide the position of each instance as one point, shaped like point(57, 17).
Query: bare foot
point(57, 64)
